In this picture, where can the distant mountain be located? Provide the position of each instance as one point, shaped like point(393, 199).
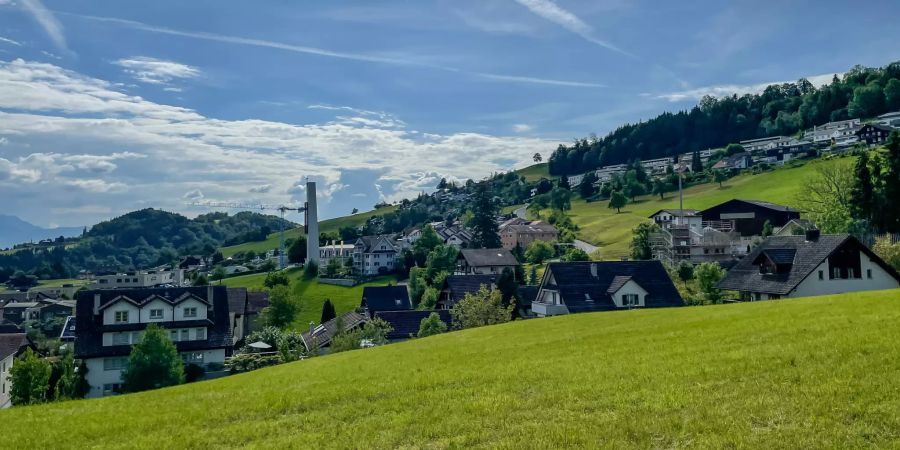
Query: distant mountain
point(14, 230)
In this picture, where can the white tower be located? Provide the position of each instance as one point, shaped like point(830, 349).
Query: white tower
point(312, 224)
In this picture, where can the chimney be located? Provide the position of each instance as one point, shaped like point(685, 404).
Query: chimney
point(812, 235)
point(96, 304)
point(594, 270)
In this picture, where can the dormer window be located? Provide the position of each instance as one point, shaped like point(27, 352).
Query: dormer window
point(121, 317)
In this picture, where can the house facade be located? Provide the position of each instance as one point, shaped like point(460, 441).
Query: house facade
point(139, 279)
point(521, 234)
point(340, 251)
point(485, 261)
point(12, 342)
point(109, 322)
point(808, 265)
point(748, 217)
point(576, 287)
point(374, 255)
point(874, 134)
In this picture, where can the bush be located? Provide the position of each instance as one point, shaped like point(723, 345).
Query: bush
point(685, 271)
point(278, 278)
point(575, 254)
point(431, 325)
point(245, 362)
point(484, 307)
point(538, 252)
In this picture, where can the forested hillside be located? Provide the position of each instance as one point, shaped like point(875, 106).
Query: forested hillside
point(782, 109)
point(140, 239)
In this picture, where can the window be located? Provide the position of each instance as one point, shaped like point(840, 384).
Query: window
point(850, 273)
point(121, 317)
point(120, 339)
point(629, 299)
point(192, 357)
point(112, 388)
point(185, 335)
point(821, 275)
point(156, 314)
point(200, 334)
point(135, 337)
point(114, 363)
point(190, 312)
point(173, 335)
point(835, 272)
point(869, 273)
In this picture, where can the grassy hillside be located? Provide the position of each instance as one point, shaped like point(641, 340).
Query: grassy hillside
point(325, 226)
point(535, 172)
point(807, 373)
point(312, 294)
point(602, 226)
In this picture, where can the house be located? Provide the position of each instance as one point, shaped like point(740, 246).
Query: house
point(18, 312)
point(808, 265)
point(66, 291)
point(748, 217)
point(456, 287)
point(833, 133)
point(375, 255)
point(338, 251)
point(454, 235)
point(576, 287)
point(735, 163)
point(320, 336)
point(405, 324)
point(244, 307)
point(754, 145)
point(665, 218)
point(873, 133)
point(484, 261)
point(139, 279)
point(47, 310)
point(12, 296)
point(384, 298)
point(891, 119)
point(191, 262)
point(794, 227)
point(521, 234)
point(109, 322)
point(13, 341)
point(412, 236)
point(605, 174)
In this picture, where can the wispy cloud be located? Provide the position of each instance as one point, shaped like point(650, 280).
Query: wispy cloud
point(362, 57)
point(554, 13)
point(156, 71)
point(47, 21)
point(521, 128)
point(10, 41)
point(724, 90)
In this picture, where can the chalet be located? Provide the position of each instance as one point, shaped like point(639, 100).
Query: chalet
point(109, 322)
point(873, 133)
point(576, 287)
point(374, 255)
point(405, 324)
point(456, 287)
point(521, 234)
point(485, 261)
point(748, 217)
point(384, 298)
point(13, 341)
point(809, 265)
point(319, 337)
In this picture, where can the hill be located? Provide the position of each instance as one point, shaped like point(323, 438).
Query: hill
point(602, 226)
point(14, 230)
point(811, 373)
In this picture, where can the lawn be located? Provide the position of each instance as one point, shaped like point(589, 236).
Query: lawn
point(312, 294)
point(602, 226)
point(802, 373)
point(59, 282)
point(325, 226)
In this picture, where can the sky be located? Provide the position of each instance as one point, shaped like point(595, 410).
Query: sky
point(110, 106)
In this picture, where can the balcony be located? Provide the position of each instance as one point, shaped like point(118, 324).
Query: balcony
point(548, 309)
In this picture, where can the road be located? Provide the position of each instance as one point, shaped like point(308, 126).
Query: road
point(588, 248)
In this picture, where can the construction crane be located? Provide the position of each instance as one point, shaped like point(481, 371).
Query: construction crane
point(282, 209)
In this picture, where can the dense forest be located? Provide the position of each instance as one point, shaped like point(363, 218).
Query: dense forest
point(141, 239)
point(781, 109)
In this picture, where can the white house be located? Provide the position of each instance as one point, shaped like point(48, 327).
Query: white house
point(12, 342)
point(140, 279)
point(374, 255)
point(109, 322)
point(809, 265)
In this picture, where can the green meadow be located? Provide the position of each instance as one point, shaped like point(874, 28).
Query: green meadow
point(800, 373)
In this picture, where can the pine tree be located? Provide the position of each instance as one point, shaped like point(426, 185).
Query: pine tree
point(863, 194)
point(484, 227)
point(328, 312)
point(696, 163)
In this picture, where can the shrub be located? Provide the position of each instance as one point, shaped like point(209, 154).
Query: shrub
point(431, 325)
point(484, 307)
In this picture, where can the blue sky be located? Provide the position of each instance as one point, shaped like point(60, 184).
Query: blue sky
point(110, 106)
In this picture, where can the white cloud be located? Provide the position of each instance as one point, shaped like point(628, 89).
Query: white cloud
point(151, 154)
point(10, 41)
point(408, 61)
point(725, 90)
point(196, 194)
point(156, 71)
point(521, 128)
point(47, 21)
point(554, 13)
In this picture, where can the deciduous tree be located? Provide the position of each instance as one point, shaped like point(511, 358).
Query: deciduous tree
point(484, 307)
point(29, 379)
point(431, 326)
point(154, 362)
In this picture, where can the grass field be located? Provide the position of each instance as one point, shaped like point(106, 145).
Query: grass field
point(312, 294)
point(602, 226)
point(59, 282)
point(802, 373)
point(325, 226)
point(535, 172)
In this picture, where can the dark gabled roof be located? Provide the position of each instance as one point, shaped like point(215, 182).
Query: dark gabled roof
point(581, 290)
point(68, 329)
point(13, 296)
point(237, 301)
point(769, 205)
point(385, 298)
point(874, 125)
point(779, 255)
point(321, 335)
point(89, 335)
point(11, 343)
point(676, 212)
point(486, 257)
point(370, 241)
point(808, 255)
point(406, 323)
point(527, 294)
point(460, 285)
point(257, 301)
